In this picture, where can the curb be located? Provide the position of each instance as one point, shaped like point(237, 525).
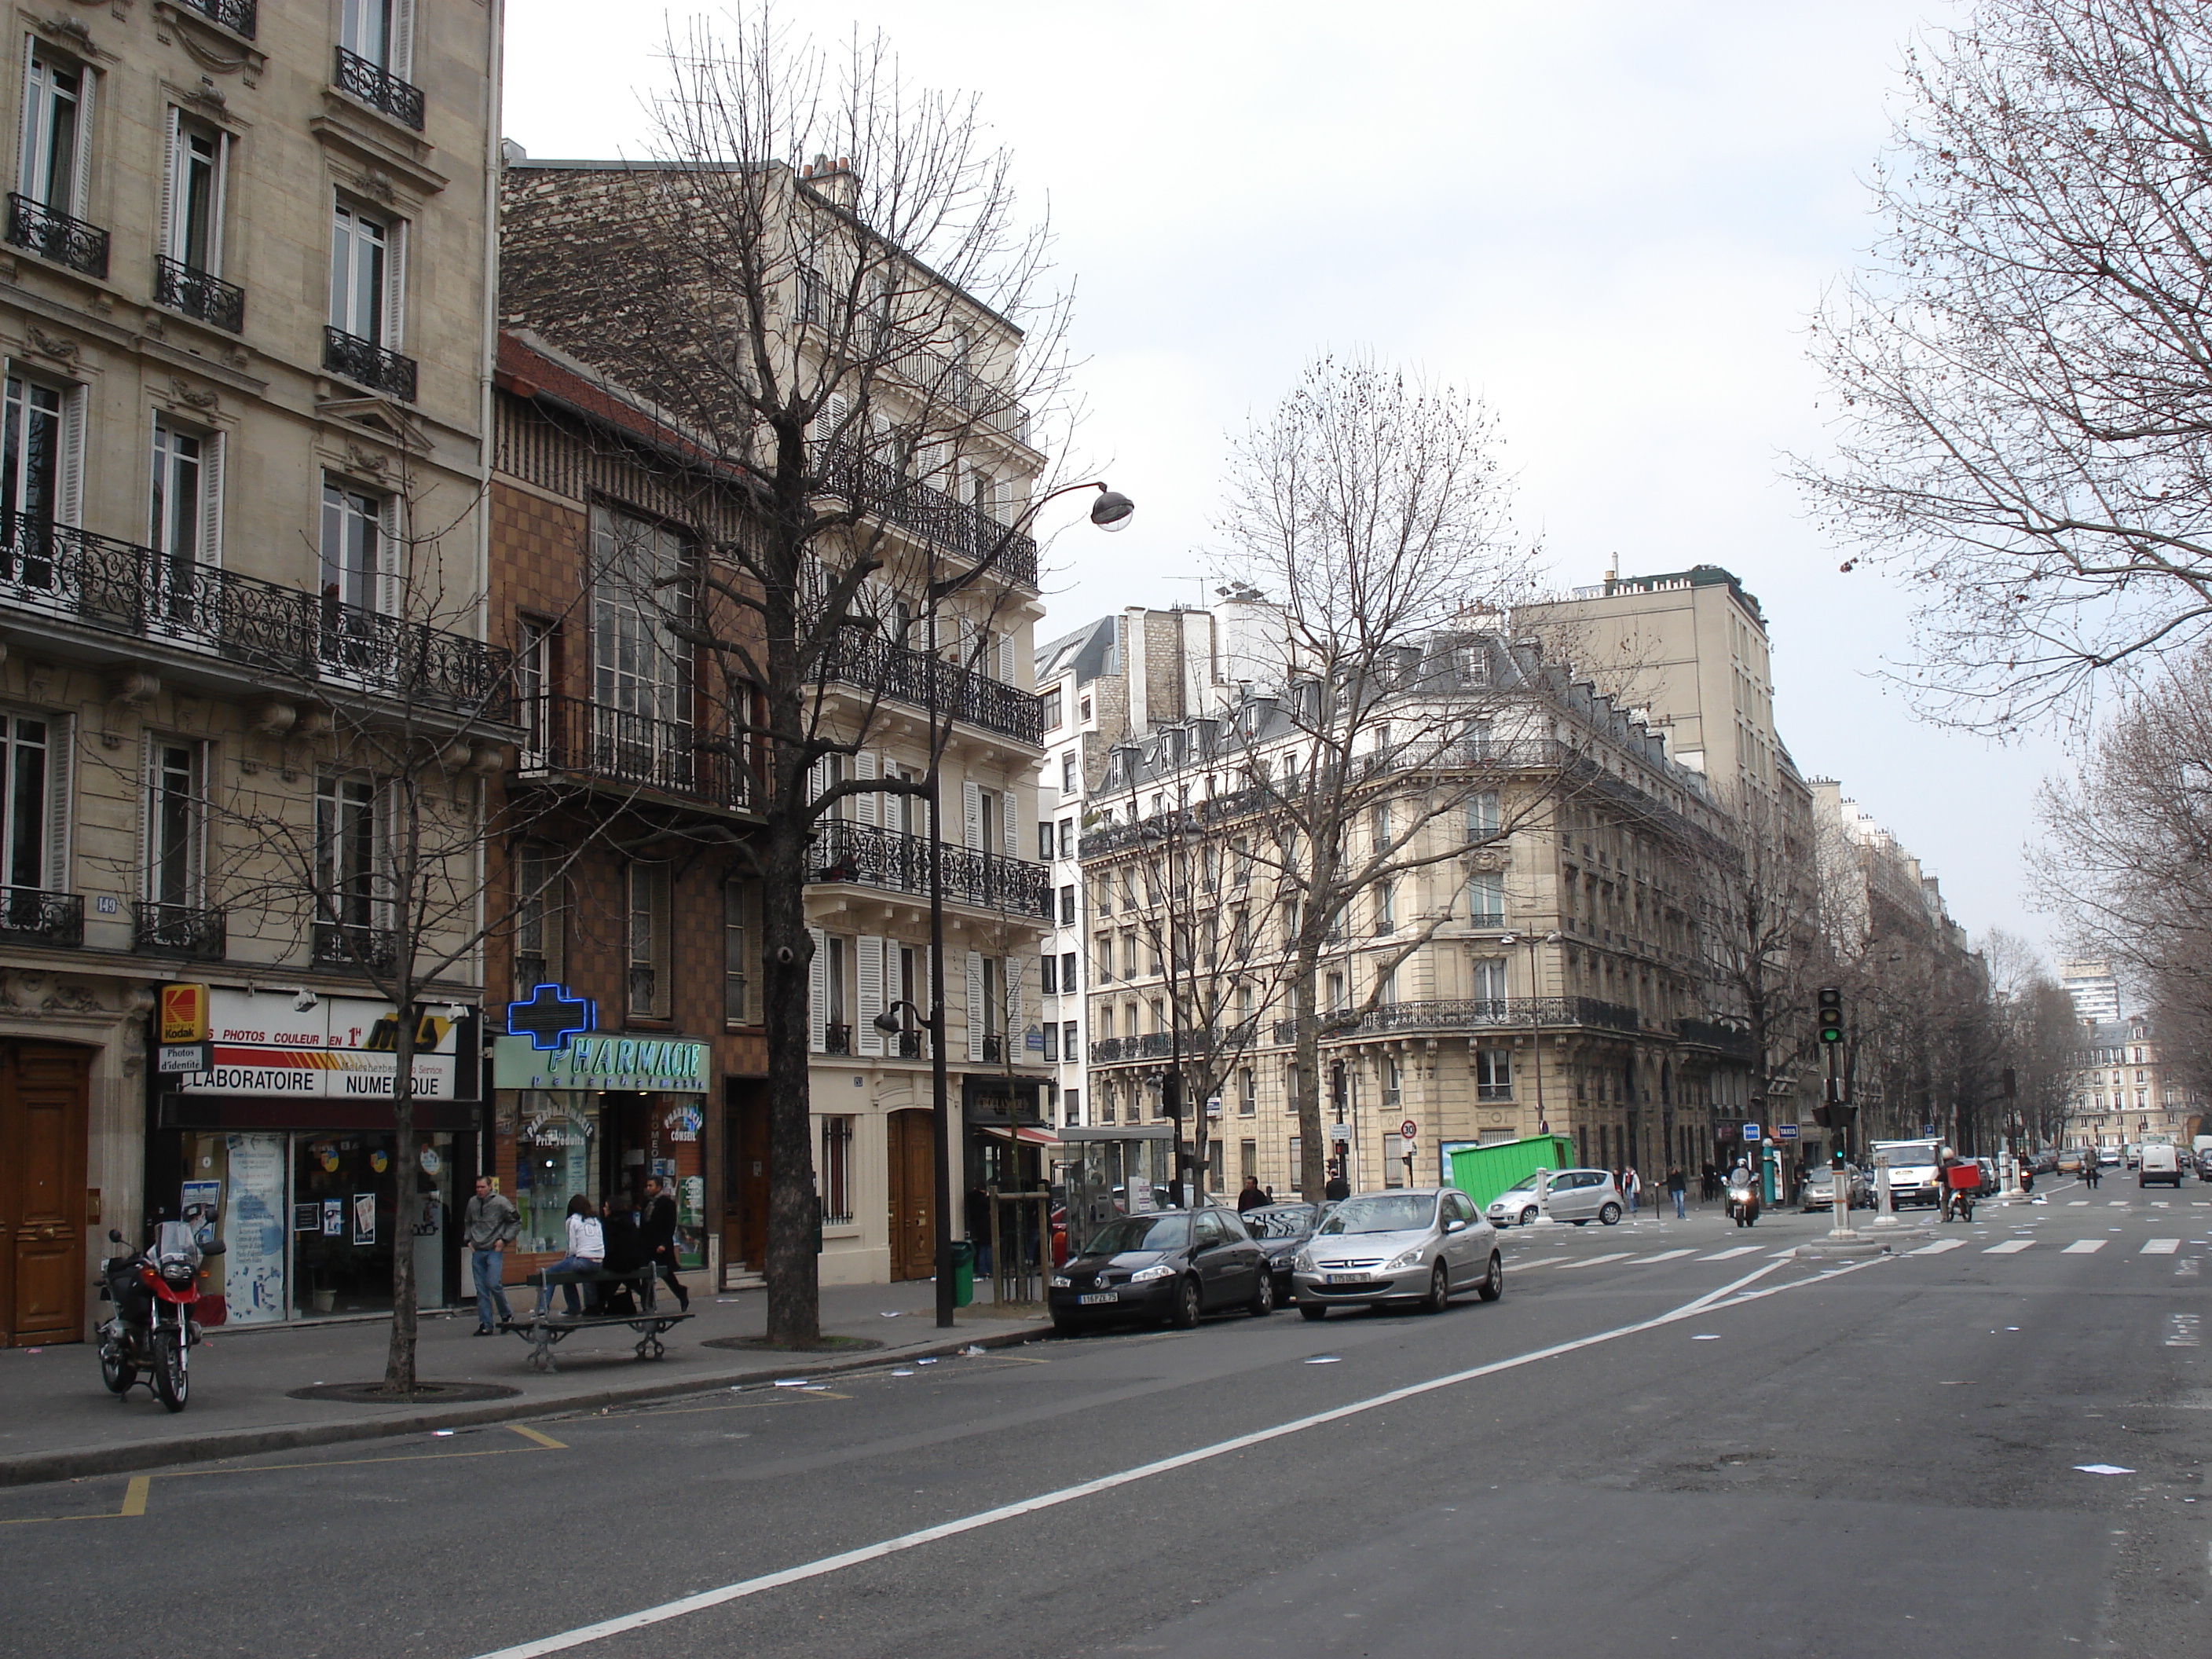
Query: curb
point(40, 1468)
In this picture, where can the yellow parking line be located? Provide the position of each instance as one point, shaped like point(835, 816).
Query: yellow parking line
point(134, 1496)
point(546, 1440)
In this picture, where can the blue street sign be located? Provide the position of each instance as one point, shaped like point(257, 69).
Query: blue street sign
point(1785, 1132)
point(1751, 1132)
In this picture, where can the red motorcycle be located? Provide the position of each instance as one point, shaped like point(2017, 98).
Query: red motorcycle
point(151, 1330)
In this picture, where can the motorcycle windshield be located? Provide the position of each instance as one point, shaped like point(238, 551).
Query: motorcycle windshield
point(174, 1238)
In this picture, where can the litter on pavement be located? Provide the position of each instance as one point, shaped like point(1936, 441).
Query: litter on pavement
point(2102, 1468)
point(1325, 1359)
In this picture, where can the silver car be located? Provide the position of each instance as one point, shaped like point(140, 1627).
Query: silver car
point(1581, 1196)
point(1423, 1245)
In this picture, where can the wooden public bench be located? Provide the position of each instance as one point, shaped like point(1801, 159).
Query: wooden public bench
point(543, 1331)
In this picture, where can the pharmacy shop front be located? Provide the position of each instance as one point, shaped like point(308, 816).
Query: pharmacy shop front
point(287, 1143)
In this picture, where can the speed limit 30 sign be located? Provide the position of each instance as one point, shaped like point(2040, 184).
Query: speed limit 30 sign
point(1409, 1130)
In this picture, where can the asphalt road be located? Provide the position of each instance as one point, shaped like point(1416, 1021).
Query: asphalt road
point(1825, 1459)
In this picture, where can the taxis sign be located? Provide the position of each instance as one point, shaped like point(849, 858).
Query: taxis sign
point(182, 1015)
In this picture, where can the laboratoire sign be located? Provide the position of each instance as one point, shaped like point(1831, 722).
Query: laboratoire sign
point(661, 1064)
point(343, 1048)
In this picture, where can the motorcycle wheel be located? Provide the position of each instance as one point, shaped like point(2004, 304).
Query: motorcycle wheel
point(171, 1382)
point(116, 1369)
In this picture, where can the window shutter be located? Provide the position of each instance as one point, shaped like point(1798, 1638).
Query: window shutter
point(395, 283)
point(403, 40)
point(837, 408)
point(26, 145)
point(61, 752)
point(818, 992)
point(215, 208)
point(1005, 659)
point(975, 1007)
point(1011, 968)
point(387, 555)
point(81, 186)
point(971, 809)
point(865, 807)
point(211, 457)
point(171, 242)
point(818, 779)
point(1013, 835)
point(1002, 502)
point(871, 954)
point(70, 510)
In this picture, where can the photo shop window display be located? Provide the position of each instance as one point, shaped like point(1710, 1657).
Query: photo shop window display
point(348, 1218)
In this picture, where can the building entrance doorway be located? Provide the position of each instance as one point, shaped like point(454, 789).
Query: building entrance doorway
point(43, 1113)
point(745, 1173)
point(913, 1159)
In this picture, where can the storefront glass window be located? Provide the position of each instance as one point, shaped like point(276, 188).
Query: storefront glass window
point(555, 1157)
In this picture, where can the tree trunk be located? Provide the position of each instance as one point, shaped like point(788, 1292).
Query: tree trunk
point(794, 1282)
point(1312, 1176)
point(399, 1358)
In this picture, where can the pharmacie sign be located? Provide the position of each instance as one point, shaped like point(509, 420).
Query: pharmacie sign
point(658, 1065)
point(343, 1048)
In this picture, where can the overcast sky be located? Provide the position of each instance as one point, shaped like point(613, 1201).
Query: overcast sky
point(1610, 221)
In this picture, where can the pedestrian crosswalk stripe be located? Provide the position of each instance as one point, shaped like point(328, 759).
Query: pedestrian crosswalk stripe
point(1722, 1256)
point(1663, 1255)
point(1939, 1246)
point(2077, 1203)
point(2083, 1247)
point(2160, 1246)
point(2011, 1246)
point(1594, 1260)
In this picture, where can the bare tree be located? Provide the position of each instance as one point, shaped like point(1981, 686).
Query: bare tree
point(1765, 949)
point(857, 344)
point(2023, 370)
point(1375, 512)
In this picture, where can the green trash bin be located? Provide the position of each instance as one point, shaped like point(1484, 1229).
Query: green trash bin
point(963, 1273)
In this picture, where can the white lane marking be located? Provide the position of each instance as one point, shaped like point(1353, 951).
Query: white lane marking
point(627, 1622)
point(2185, 1330)
point(1722, 1256)
point(1663, 1255)
point(2160, 1246)
point(1939, 1246)
point(2011, 1246)
point(2077, 1203)
point(1593, 1260)
point(2084, 1247)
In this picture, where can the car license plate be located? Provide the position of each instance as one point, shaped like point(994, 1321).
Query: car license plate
point(1344, 1278)
point(1090, 1298)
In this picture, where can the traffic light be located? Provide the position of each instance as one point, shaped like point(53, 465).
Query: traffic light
point(1831, 1014)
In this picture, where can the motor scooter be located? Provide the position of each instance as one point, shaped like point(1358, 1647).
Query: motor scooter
point(152, 1331)
point(1743, 1204)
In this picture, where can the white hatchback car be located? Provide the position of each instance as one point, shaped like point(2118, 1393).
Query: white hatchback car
point(1581, 1196)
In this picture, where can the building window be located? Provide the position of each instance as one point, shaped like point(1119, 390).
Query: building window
point(637, 665)
point(1105, 958)
point(1085, 711)
point(175, 824)
point(837, 1165)
point(1044, 841)
point(183, 512)
point(1068, 773)
point(536, 917)
point(736, 959)
point(1487, 977)
point(1067, 838)
point(365, 275)
point(649, 987)
point(1051, 1042)
point(56, 132)
point(1067, 973)
point(1071, 1103)
point(39, 463)
point(348, 844)
point(1067, 907)
point(1049, 983)
point(1247, 1092)
point(534, 638)
point(1068, 1049)
point(358, 549)
point(192, 231)
point(1493, 1074)
point(1482, 815)
point(1486, 899)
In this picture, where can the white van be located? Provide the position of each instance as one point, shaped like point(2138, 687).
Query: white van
point(2161, 1161)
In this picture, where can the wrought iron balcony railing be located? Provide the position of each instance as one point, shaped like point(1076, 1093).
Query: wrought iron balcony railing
point(121, 588)
point(614, 746)
point(837, 1039)
point(644, 983)
point(1470, 1014)
point(1711, 1034)
point(881, 490)
point(530, 972)
point(947, 380)
point(212, 299)
point(380, 88)
point(178, 930)
point(915, 678)
point(347, 947)
point(368, 363)
point(37, 229)
point(239, 17)
point(1166, 1045)
point(32, 913)
point(870, 856)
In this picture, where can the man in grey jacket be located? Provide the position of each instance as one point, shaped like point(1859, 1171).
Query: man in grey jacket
point(490, 1225)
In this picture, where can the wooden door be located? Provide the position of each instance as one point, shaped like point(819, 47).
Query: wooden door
point(745, 1222)
point(912, 1157)
point(42, 1160)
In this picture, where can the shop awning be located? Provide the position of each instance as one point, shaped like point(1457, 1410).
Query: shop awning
point(1023, 1133)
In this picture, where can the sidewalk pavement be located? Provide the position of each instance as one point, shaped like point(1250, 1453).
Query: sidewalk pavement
point(58, 1422)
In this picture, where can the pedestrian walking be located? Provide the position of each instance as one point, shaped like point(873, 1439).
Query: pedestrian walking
point(1338, 1188)
point(2090, 1173)
point(1709, 1183)
point(1676, 1186)
point(660, 1231)
point(979, 1228)
point(1251, 1198)
point(490, 1225)
point(1630, 1187)
point(587, 1249)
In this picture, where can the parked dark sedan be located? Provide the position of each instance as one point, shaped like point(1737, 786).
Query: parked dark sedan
point(1280, 1228)
point(1177, 1266)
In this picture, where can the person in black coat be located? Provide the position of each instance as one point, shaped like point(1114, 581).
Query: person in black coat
point(658, 1232)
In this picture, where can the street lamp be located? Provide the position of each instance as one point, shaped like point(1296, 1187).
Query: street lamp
point(1535, 1014)
point(1111, 511)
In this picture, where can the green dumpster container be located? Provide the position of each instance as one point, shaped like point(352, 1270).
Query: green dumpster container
point(963, 1273)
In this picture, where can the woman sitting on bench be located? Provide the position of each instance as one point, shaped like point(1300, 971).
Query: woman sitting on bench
point(587, 1249)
